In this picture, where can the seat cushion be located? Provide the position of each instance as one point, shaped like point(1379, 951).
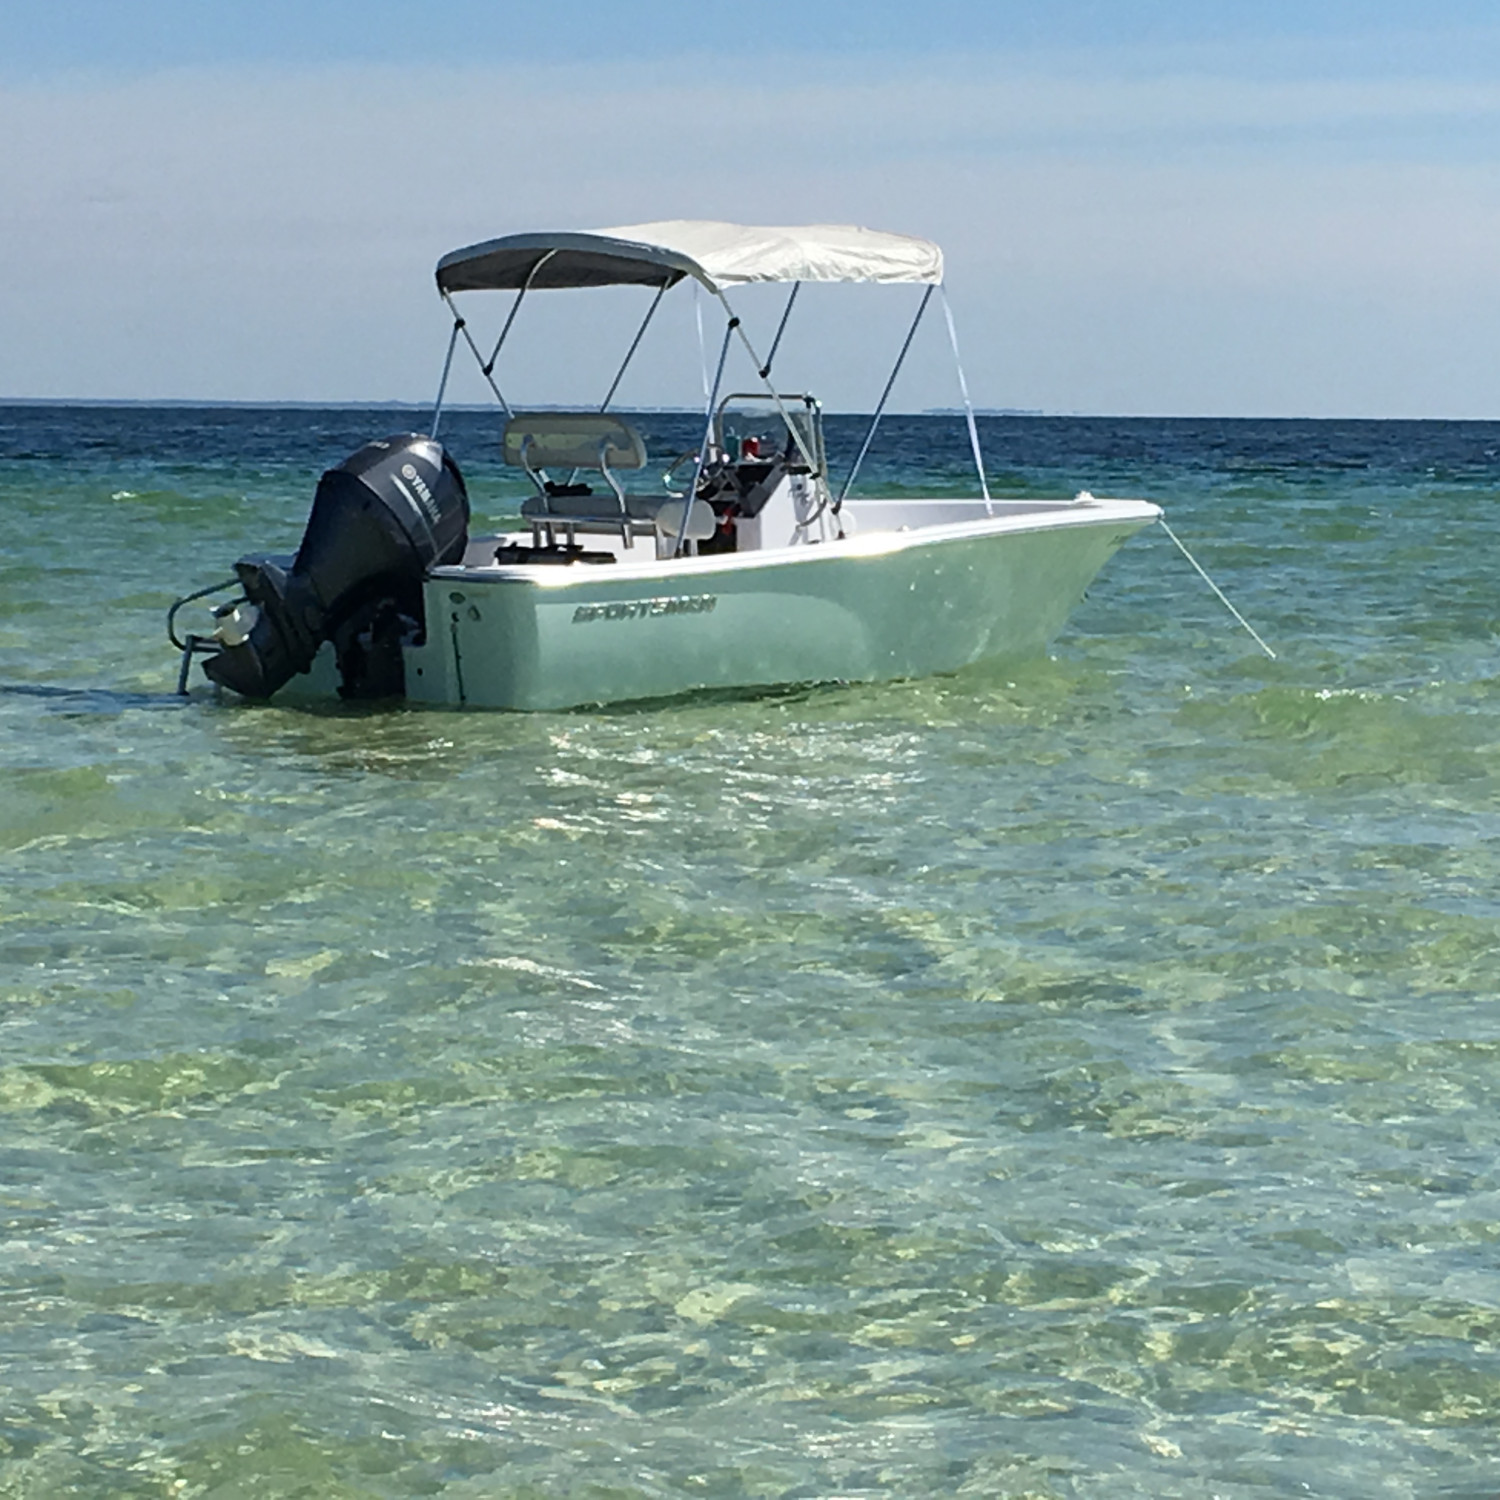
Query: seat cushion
point(641, 508)
point(702, 523)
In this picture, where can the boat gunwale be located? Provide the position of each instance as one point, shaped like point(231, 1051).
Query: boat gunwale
point(861, 546)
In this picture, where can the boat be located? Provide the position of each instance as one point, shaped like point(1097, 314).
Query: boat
point(736, 565)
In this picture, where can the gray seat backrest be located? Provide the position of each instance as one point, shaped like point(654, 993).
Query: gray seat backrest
point(572, 440)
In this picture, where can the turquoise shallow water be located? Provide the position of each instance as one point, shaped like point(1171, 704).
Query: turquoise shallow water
point(1075, 1078)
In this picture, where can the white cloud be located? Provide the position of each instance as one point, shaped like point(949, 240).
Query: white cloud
point(1174, 243)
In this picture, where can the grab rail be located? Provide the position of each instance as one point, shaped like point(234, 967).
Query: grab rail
point(213, 588)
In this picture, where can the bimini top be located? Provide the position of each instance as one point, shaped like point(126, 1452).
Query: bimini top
point(718, 255)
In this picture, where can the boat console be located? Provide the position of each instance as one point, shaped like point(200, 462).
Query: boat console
point(767, 496)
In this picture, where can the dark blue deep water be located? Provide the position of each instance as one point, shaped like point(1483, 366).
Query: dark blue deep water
point(1075, 1078)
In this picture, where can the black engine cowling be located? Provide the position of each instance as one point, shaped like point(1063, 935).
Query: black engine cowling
point(379, 521)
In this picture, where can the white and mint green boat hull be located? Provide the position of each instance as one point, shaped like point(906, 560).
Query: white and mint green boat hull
point(917, 588)
point(738, 568)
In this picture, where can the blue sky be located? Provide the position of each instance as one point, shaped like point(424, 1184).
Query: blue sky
point(1152, 207)
point(114, 34)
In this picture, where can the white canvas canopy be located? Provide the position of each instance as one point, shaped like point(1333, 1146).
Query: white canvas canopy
point(716, 254)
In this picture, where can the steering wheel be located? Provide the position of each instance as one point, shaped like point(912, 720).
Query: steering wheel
point(673, 467)
point(715, 464)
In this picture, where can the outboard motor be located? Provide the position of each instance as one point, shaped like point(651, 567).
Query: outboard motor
point(379, 521)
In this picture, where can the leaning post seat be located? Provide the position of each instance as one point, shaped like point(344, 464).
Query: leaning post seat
point(574, 440)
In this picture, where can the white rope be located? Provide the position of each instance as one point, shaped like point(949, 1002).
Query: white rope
point(963, 386)
point(1215, 587)
point(702, 347)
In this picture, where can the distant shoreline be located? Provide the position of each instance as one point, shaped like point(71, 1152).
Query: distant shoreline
point(471, 406)
point(948, 412)
point(180, 403)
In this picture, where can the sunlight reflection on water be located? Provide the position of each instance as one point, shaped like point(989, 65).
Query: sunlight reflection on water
point(1074, 1078)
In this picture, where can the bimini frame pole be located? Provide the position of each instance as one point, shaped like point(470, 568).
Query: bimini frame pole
point(515, 307)
point(963, 386)
point(635, 344)
point(885, 395)
point(487, 366)
point(764, 373)
point(786, 312)
point(484, 370)
point(437, 406)
point(708, 431)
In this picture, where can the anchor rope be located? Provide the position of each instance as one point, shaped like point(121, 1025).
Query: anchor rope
point(1181, 547)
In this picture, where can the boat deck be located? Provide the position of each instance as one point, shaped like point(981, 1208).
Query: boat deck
point(868, 525)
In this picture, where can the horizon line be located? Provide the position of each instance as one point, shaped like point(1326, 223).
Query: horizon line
point(181, 403)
